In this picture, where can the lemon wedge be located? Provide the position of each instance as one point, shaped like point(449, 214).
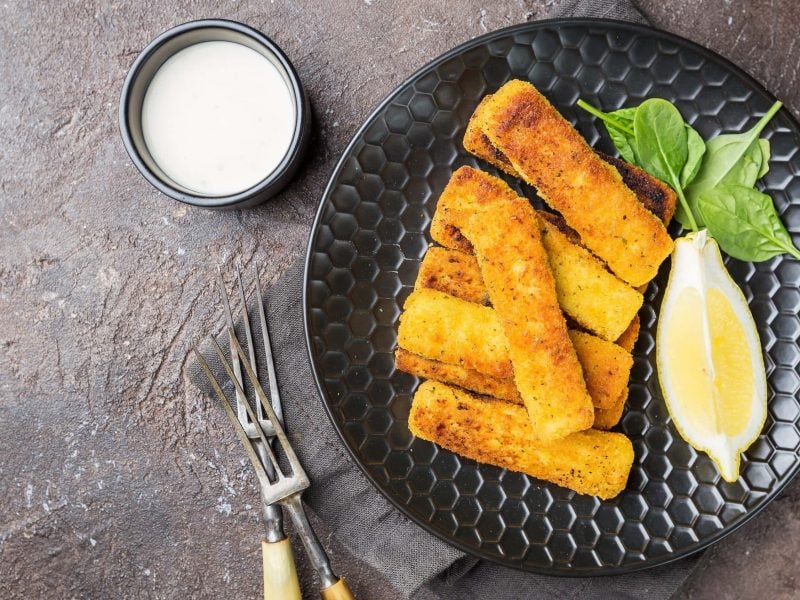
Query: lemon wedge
point(709, 357)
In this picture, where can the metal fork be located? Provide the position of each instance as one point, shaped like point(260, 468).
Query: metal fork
point(256, 434)
point(273, 516)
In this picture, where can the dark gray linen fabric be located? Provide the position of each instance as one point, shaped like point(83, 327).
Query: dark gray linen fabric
point(417, 564)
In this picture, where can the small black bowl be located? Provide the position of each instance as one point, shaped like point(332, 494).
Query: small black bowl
point(141, 74)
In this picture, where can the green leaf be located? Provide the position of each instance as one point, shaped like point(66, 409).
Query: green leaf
point(662, 148)
point(733, 158)
point(697, 148)
point(744, 223)
point(765, 156)
point(623, 140)
point(623, 116)
point(661, 140)
point(619, 125)
point(624, 143)
point(749, 167)
point(682, 217)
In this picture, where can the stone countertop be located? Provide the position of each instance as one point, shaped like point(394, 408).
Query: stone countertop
point(117, 479)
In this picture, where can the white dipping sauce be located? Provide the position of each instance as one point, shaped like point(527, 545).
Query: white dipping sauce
point(218, 118)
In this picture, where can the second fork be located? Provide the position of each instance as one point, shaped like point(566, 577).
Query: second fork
point(258, 432)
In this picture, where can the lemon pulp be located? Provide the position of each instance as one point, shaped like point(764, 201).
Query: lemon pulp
point(714, 380)
point(708, 354)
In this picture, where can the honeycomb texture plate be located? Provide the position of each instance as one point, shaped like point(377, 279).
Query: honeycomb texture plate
point(372, 230)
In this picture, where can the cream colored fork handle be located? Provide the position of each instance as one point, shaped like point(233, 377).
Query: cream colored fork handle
point(280, 574)
point(337, 591)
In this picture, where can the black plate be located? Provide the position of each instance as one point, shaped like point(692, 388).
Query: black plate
point(372, 230)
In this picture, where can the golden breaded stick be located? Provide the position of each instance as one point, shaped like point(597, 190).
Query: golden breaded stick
point(467, 190)
point(501, 389)
point(504, 389)
point(609, 417)
point(476, 142)
point(457, 273)
point(516, 272)
point(450, 270)
point(441, 327)
point(654, 194)
point(550, 154)
point(496, 432)
point(628, 338)
point(596, 299)
point(606, 367)
point(587, 292)
point(606, 418)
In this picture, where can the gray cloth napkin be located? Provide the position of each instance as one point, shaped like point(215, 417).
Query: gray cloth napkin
point(417, 564)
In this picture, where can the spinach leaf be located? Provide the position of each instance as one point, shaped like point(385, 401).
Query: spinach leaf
point(697, 148)
point(655, 137)
point(623, 139)
point(624, 143)
point(682, 217)
point(745, 223)
point(751, 163)
point(765, 156)
point(662, 147)
point(621, 119)
point(661, 140)
point(624, 115)
point(733, 158)
point(619, 125)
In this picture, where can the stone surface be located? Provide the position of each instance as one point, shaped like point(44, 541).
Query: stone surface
point(117, 478)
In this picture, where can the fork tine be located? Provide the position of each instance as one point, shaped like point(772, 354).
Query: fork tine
point(240, 433)
point(294, 462)
point(249, 336)
point(259, 430)
point(273, 381)
point(248, 333)
point(241, 399)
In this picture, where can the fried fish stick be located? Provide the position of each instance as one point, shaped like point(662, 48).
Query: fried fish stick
point(453, 272)
point(606, 418)
point(550, 155)
point(456, 273)
point(654, 194)
point(628, 338)
point(606, 367)
point(496, 432)
point(441, 327)
point(587, 292)
point(581, 279)
point(467, 190)
point(501, 389)
point(516, 272)
point(478, 143)
point(477, 382)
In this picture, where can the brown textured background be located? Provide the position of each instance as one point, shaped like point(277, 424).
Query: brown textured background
point(116, 478)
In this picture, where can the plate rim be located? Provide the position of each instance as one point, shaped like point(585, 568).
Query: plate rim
point(325, 198)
